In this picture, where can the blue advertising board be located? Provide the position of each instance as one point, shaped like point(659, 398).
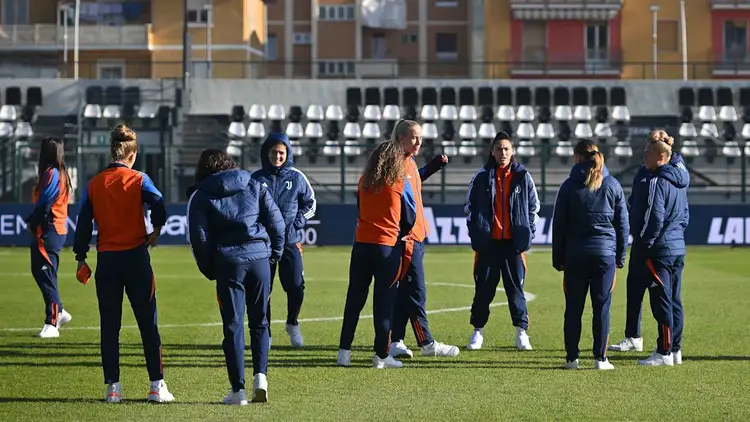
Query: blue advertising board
point(334, 225)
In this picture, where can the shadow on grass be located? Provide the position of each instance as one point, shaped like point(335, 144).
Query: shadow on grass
point(89, 400)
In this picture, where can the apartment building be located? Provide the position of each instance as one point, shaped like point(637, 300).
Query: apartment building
point(366, 39)
point(613, 39)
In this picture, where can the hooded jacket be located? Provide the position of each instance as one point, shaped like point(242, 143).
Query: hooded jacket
point(480, 206)
point(232, 219)
point(288, 187)
point(589, 224)
point(659, 210)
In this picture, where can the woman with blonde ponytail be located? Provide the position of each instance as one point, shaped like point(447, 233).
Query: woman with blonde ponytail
point(659, 215)
point(589, 237)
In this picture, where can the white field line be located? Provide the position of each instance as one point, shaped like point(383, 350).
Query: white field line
point(529, 298)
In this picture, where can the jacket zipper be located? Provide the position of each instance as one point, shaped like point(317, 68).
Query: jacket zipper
point(502, 205)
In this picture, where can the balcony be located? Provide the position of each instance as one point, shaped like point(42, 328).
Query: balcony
point(539, 62)
point(732, 62)
point(50, 37)
point(378, 68)
point(730, 4)
point(565, 9)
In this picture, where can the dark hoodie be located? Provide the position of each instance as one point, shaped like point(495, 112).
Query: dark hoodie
point(659, 210)
point(589, 224)
point(233, 220)
point(289, 188)
point(480, 204)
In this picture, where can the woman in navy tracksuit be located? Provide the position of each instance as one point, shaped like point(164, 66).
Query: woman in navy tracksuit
point(235, 229)
point(295, 198)
point(589, 239)
point(501, 214)
point(659, 216)
point(48, 223)
point(676, 172)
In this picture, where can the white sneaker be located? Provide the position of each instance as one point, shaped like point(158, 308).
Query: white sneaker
point(260, 388)
point(657, 359)
point(439, 349)
point(114, 393)
point(571, 364)
point(399, 350)
point(295, 335)
point(627, 345)
point(522, 339)
point(677, 357)
point(476, 340)
point(345, 358)
point(63, 318)
point(159, 392)
point(49, 331)
point(236, 398)
point(388, 362)
point(603, 365)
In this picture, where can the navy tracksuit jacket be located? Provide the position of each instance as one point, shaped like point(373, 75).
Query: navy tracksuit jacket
point(295, 198)
point(115, 198)
point(659, 215)
point(234, 228)
point(48, 224)
point(589, 239)
point(496, 258)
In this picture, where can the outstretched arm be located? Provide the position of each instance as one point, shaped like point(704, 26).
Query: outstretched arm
point(434, 166)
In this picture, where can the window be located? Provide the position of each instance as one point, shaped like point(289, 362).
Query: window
point(667, 36)
point(342, 12)
point(735, 40)
point(110, 69)
point(446, 46)
point(302, 38)
point(409, 38)
point(446, 3)
point(272, 46)
point(379, 46)
point(197, 12)
point(15, 12)
point(534, 41)
point(597, 42)
point(336, 68)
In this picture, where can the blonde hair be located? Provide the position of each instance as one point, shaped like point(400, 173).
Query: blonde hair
point(402, 128)
point(588, 149)
point(385, 167)
point(661, 140)
point(122, 142)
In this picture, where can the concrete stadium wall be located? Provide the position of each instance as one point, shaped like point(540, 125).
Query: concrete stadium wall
point(64, 96)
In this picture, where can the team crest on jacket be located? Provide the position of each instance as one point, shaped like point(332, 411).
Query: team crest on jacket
point(289, 185)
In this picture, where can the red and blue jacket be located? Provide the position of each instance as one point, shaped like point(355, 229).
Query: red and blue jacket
point(50, 204)
point(115, 199)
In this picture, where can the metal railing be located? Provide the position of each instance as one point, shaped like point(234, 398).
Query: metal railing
point(52, 35)
point(334, 170)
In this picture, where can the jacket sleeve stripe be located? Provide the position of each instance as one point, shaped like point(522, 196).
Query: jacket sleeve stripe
point(535, 205)
point(310, 213)
point(651, 193)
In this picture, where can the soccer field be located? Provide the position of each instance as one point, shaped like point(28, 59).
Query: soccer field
point(61, 379)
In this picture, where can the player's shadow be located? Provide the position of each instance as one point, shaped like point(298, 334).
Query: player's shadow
point(89, 400)
point(643, 355)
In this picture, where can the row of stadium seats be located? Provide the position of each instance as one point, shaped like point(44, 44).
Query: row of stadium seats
point(114, 102)
point(14, 108)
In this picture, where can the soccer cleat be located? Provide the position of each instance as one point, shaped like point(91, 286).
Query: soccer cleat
point(571, 364)
point(603, 365)
point(439, 349)
point(476, 340)
point(388, 362)
point(295, 335)
point(677, 357)
point(236, 398)
point(49, 331)
point(159, 392)
point(63, 318)
point(657, 359)
point(627, 345)
point(260, 388)
point(522, 339)
point(114, 393)
point(345, 358)
point(399, 350)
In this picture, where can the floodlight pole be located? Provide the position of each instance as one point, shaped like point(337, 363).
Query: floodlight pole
point(76, 39)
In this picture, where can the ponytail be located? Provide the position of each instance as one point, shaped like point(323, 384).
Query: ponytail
point(589, 151)
point(594, 174)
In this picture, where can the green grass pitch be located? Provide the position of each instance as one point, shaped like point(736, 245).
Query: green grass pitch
point(61, 379)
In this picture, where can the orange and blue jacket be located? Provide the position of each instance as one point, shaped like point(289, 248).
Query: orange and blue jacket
point(416, 176)
point(115, 198)
point(385, 217)
point(50, 204)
